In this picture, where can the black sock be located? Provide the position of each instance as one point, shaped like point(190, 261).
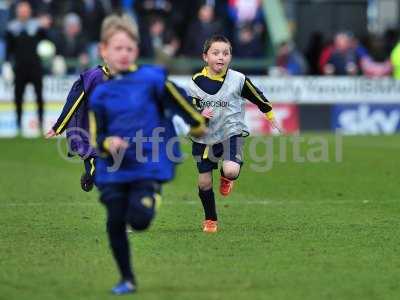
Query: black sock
point(208, 201)
point(120, 248)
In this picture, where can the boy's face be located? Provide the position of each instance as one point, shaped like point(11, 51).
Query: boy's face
point(119, 52)
point(218, 57)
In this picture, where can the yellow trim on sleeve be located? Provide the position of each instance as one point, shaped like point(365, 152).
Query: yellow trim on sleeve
point(183, 103)
point(106, 144)
point(253, 90)
point(270, 115)
point(70, 113)
point(198, 130)
point(92, 129)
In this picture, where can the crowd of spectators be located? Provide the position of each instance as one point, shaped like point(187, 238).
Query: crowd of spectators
point(167, 28)
point(342, 55)
point(178, 28)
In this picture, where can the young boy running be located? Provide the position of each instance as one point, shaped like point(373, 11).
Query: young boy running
point(131, 123)
point(220, 93)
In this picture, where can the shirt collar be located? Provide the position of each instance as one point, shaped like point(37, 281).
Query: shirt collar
point(107, 72)
point(219, 77)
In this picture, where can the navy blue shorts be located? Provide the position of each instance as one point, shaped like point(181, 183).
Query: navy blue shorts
point(207, 156)
point(125, 191)
point(133, 203)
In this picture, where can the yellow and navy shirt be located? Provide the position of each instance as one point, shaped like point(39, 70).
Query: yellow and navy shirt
point(211, 84)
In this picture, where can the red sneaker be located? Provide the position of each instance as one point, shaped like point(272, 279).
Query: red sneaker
point(225, 186)
point(210, 226)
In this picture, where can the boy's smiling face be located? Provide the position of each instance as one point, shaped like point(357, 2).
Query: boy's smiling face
point(119, 52)
point(218, 57)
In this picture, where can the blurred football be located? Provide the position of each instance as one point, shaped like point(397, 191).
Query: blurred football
point(46, 49)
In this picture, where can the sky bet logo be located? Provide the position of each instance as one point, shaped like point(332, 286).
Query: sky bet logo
point(366, 119)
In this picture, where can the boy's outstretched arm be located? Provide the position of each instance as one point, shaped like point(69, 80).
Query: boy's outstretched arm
point(74, 100)
point(254, 95)
point(180, 103)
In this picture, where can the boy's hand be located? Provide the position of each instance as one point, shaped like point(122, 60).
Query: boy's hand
point(114, 144)
point(51, 133)
point(207, 113)
point(270, 116)
point(275, 125)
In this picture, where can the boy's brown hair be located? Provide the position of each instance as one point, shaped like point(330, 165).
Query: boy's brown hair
point(215, 38)
point(115, 23)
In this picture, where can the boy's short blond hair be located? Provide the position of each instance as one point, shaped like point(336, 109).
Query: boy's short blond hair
point(114, 23)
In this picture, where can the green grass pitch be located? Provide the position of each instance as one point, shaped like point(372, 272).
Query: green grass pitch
point(327, 230)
